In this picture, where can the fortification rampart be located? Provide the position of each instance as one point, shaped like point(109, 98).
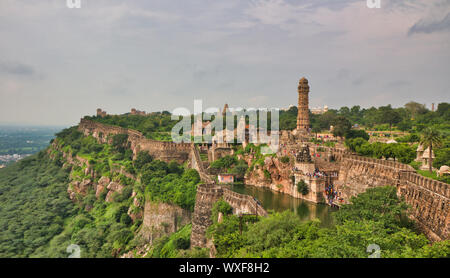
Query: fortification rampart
point(197, 164)
point(207, 195)
point(429, 199)
point(165, 151)
point(430, 204)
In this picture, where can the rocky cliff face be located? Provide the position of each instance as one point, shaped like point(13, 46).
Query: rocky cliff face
point(278, 177)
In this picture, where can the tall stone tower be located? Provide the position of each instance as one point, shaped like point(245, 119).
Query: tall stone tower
point(303, 105)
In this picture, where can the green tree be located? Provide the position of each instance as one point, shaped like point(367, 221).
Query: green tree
point(380, 204)
point(302, 187)
point(415, 108)
point(355, 143)
point(119, 142)
point(341, 126)
point(430, 138)
point(142, 158)
point(389, 116)
point(355, 133)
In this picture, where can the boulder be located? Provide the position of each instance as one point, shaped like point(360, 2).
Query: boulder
point(113, 187)
point(102, 183)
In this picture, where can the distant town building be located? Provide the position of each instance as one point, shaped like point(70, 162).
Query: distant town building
point(319, 110)
point(225, 178)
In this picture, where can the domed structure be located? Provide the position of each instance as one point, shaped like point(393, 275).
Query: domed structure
point(444, 170)
point(426, 154)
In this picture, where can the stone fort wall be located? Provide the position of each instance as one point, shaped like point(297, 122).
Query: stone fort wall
point(165, 151)
point(207, 195)
point(430, 204)
point(429, 199)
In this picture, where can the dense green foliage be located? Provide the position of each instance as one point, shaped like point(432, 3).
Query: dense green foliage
point(230, 164)
point(155, 125)
point(33, 205)
point(374, 217)
point(302, 187)
point(178, 188)
point(401, 151)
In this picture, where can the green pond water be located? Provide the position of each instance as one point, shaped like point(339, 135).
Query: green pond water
point(279, 202)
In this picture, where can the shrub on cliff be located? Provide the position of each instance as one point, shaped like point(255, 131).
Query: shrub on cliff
point(175, 188)
point(302, 187)
point(142, 158)
point(222, 207)
point(120, 142)
point(267, 175)
point(239, 169)
point(285, 159)
point(224, 162)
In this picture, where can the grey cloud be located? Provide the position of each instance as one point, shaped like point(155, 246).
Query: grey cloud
point(16, 68)
point(427, 27)
point(398, 84)
point(358, 81)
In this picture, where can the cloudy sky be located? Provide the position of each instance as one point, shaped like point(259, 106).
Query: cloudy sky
point(58, 64)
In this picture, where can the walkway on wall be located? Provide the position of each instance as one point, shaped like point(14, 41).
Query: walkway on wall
point(197, 164)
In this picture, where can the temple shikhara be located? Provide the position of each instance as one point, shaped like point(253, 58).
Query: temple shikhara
point(303, 105)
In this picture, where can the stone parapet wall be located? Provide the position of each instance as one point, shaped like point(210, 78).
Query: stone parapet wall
point(207, 195)
point(429, 199)
point(165, 151)
point(243, 204)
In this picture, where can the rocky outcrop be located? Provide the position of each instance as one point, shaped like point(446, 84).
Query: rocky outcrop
point(112, 188)
point(280, 175)
point(78, 187)
point(135, 211)
point(102, 184)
